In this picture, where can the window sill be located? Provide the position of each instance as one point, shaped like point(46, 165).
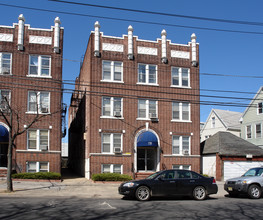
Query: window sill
point(147, 84)
point(143, 119)
point(184, 121)
point(34, 113)
point(111, 117)
point(111, 81)
point(37, 76)
point(182, 87)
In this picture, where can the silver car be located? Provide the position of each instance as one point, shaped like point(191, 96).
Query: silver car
point(251, 183)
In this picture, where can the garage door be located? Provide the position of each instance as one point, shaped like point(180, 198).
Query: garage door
point(238, 168)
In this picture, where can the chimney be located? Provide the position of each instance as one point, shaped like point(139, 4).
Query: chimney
point(56, 35)
point(97, 39)
point(193, 40)
point(130, 43)
point(21, 24)
point(164, 54)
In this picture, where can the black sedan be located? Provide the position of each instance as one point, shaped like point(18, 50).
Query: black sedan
point(170, 183)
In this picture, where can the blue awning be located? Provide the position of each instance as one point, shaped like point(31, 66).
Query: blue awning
point(147, 139)
point(4, 134)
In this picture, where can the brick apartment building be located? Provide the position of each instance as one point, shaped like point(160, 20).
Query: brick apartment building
point(135, 109)
point(31, 80)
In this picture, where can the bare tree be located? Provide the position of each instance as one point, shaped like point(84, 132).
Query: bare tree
point(13, 118)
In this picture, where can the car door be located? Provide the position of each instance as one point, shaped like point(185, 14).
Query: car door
point(165, 184)
point(185, 182)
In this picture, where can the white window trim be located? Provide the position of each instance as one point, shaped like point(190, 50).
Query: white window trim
point(38, 103)
point(181, 166)
point(37, 165)
point(181, 112)
point(258, 108)
point(147, 75)
point(1, 53)
point(250, 132)
point(111, 116)
point(112, 72)
point(111, 143)
point(256, 130)
point(111, 167)
point(9, 91)
point(39, 67)
point(181, 145)
point(147, 109)
point(181, 78)
point(38, 139)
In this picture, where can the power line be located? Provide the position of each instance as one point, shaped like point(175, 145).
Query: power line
point(135, 21)
point(131, 96)
point(164, 14)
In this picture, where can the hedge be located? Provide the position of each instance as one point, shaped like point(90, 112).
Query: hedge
point(39, 175)
point(110, 177)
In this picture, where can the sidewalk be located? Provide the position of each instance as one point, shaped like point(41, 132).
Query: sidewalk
point(74, 187)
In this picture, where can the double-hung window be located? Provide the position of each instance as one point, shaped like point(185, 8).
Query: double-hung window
point(111, 168)
point(258, 130)
point(38, 139)
point(34, 167)
point(5, 63)
point(39, 65)
point(248, 130)
point(38, 102)
point(147, 74)
point(180, 77)
point(111, 143)
point(181, 145)
point(147, 109)
point(112, 71)
point(111, 106)
point(5, 99)
point(260, 107)
point(181, 111)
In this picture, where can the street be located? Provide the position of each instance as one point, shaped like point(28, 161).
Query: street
point(103, 208)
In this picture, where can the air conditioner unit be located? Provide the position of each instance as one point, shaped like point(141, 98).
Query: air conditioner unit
point(153, 115)
point(5, 71)
point(44, 110)
point(117, 114)
point(185, 152)
point(44, 148)
point(117, 150)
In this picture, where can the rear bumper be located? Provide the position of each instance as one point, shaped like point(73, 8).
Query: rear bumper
point(212, 190)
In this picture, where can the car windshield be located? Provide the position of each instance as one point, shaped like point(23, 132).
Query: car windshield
point(254, 172)
point(152, 176)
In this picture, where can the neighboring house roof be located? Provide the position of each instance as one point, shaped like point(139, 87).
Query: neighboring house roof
point(229, 119)
point(227, 144)
point(255, 97)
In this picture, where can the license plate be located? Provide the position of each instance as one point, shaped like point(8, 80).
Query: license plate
point(230, 189)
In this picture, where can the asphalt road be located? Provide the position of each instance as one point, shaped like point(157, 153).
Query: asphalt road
point(93, 208)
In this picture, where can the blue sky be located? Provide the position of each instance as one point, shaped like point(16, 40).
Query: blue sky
point(221, 52)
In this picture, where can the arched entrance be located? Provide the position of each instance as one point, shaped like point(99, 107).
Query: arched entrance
point(147, 151)
point(4, 138)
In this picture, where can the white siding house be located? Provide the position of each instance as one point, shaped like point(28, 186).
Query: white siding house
point(221, 120)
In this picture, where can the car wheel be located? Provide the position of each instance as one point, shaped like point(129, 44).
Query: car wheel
point(254, 192)
point(143, 193)
point(199, 193)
